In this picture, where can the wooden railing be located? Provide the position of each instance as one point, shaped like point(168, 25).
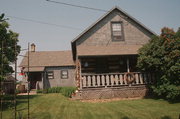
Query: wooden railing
point(115, 79)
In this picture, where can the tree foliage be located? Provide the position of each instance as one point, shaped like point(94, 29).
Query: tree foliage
point(162, 56)
point(8, 39)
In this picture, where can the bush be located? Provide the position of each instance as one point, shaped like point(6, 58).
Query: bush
point(39, 91)
point(169, 92)
point(162, 56)
point(66, 91)
point(54, 90)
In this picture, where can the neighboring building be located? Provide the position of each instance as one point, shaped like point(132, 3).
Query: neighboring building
point(49, 69)
point(102, 62)
point(8, 85)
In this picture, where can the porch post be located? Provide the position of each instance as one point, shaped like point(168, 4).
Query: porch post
point(42, 78)
point(80, 79)
point(78, 74)
point(128, 70)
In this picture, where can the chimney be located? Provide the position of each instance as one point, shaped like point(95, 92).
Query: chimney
point(33, 47)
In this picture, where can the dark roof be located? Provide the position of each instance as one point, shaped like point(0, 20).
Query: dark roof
point(108, 50)
point(73, 43)
point(40, 59)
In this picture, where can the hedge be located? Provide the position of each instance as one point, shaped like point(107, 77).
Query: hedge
point(66, 91)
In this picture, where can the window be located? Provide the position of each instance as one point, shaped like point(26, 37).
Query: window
point(117, 34)
point(64, 74)
point(50, 75)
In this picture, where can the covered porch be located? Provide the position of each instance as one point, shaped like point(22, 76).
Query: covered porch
point(111, 71)
point(36, 80)
point(36, 77)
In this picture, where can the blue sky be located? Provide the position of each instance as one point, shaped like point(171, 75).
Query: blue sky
point(154, 14)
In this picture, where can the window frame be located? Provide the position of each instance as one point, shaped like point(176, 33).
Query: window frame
point(122, 31)
point(62, 74)
point(50, 75)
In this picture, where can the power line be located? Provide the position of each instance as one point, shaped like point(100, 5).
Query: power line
point(46, 23)
point(84, 7)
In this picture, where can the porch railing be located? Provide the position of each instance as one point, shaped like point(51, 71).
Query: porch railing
point(115, 79)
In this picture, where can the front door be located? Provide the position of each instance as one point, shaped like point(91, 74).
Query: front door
point(34, 77)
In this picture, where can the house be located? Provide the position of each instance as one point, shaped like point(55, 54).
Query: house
point(49, 68)
point(102, 63)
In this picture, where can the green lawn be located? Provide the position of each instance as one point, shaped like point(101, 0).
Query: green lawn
point(56, 106)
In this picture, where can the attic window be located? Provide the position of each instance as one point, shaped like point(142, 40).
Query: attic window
point(117, 34)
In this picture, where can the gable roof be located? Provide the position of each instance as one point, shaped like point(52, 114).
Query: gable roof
point(40, 59)
point(73, 43)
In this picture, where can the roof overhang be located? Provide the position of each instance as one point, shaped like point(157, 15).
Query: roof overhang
point(34, 69)
point(108, 50)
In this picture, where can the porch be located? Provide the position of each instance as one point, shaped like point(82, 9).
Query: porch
point(111, 71)
point(35, 80)
point(111, 77)
point(115, 80)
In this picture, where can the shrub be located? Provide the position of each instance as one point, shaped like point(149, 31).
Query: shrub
point(54, 90)
point(39, 91)
point(66, 91)
point(162, 56)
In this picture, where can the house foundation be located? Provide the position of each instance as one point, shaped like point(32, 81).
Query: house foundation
point(114, 92)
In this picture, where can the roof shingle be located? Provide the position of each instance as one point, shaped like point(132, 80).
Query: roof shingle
point(108, 50)
point(48, 58)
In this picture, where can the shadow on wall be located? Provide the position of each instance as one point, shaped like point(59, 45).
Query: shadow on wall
point(47, 84)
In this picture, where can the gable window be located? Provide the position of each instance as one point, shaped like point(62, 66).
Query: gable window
point(64, 74)
point(117, 34)
point(50, 75)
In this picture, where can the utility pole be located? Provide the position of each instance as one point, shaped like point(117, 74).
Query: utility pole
point(28, 80)
point(15, 48)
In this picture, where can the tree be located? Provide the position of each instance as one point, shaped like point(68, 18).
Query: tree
point(162, 56)
point(8, 40)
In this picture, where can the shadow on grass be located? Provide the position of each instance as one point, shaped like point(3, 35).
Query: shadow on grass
point(160, 98)
point(125, 117)
point(166, 117)
point(150, 95)
point(44, 115)
point(8, 100)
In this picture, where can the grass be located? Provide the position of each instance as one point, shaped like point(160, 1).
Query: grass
point(56, 106)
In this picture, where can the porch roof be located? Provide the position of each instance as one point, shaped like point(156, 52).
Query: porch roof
point(34, 69)
point(108, 50)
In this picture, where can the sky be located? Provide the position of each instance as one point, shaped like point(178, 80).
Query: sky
point(154, 14)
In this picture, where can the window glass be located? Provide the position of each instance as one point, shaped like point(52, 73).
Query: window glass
point(50, 75)
point(117, 31)
point(64, 74)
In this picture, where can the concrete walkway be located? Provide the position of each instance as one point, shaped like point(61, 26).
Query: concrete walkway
point(33, 92)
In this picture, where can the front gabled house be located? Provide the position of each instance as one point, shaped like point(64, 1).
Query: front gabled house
point(102, 63)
